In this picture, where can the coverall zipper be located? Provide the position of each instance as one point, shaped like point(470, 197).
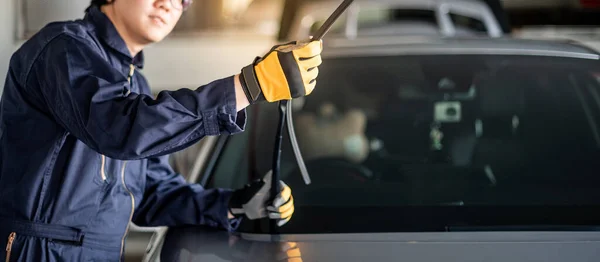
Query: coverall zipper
point(11, 239)
point(129, 77)
point(132, 206)
point(102, 172)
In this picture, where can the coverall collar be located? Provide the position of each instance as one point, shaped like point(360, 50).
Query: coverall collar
point(109, 34)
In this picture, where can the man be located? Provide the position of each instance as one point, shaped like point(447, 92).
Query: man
point(84, 145)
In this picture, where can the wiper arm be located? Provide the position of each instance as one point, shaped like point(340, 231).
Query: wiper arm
point(285, 107)
point(290, 123)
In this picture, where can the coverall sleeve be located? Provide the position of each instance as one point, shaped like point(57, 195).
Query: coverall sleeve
point(87, 96)
point(170, 201)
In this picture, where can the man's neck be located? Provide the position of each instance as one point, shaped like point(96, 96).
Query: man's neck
point(132, 45)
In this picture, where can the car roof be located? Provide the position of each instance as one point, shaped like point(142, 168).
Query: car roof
point(425, 45)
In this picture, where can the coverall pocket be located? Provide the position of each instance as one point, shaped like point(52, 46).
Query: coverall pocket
point(94, 255)
point(64, 251)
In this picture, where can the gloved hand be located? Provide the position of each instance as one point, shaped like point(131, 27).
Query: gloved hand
point(254, 201)
point(287, 71)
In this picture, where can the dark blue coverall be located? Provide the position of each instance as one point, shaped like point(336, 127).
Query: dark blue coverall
point(84, 145)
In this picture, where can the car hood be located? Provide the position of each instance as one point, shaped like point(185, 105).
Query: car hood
point(198, 244)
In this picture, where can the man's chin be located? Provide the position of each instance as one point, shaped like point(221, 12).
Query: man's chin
point(154, 38)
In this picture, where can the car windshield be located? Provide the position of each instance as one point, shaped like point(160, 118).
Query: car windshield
point(426, 142)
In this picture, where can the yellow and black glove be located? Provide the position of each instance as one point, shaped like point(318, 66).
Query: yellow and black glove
point(254, 201)
point(287, 71)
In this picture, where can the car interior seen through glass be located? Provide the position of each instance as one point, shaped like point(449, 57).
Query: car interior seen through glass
point(434, 131)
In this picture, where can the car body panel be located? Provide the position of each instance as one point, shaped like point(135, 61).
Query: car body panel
point(336, 47)
point(209, 245)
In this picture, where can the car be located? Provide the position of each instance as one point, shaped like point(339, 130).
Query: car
point(422, 149)
point(390, 17)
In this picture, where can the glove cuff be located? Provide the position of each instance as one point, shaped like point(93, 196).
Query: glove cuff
point(236, 212)
point(235, 204)
point(250, 85)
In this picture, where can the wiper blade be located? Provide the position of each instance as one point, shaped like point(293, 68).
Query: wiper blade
point(318, 36)
point(295, 147)
point(285, 107)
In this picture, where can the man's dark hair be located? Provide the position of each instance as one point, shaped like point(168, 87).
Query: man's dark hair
point(97, 3)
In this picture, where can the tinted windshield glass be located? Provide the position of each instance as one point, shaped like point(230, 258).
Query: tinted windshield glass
point(434, 131)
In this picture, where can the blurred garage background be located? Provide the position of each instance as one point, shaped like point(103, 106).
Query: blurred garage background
point(215, 38)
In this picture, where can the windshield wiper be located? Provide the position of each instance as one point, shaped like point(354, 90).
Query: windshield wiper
point(286, 107)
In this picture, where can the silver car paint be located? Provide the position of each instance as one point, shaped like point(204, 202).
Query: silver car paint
point(430, 247)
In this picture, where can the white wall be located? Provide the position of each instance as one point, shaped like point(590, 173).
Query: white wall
point(7, 40)
point(177, 62)
point(40, 12)
point(189, 62)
